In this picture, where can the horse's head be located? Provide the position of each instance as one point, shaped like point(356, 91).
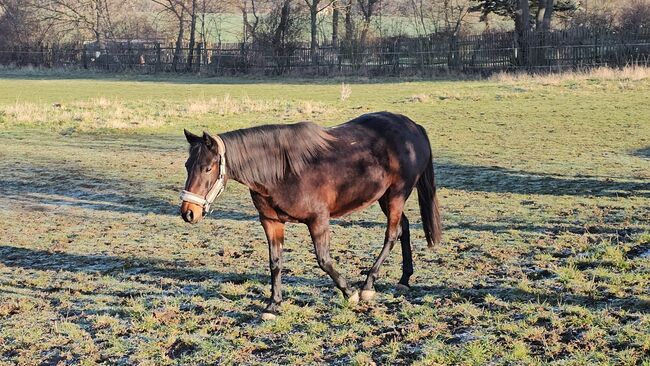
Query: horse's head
point(206, 175)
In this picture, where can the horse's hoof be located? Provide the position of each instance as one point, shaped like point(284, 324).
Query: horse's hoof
point(268, 316)
point(367, 295)
point(354, 298)
point(402, 288)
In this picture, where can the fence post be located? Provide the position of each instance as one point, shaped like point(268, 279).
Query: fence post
point(158, 56)
point(596, 50)
point(84, 56)
point(198, 57)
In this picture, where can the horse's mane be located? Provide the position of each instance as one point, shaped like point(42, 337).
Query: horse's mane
point(266, 154)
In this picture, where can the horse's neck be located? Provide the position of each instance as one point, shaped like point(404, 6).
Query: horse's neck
point(242, 173)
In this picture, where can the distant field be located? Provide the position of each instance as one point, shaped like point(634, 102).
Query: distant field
point(545, 190)
point(228, 27)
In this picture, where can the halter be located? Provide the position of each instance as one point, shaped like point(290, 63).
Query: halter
point(218, 187)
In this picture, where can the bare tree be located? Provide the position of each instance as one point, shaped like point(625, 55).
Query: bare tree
point(454, 14)
point(177, 9)
point(421, 11)
point(367, 8)
point(93, 16)
point(315, 7)
point(335, 22)
point(349, 22)
point(281, 32)
point(544, 14)
point(250, 7)
point(192, 44)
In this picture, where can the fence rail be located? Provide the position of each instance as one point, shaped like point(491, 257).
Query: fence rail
point(392, 56)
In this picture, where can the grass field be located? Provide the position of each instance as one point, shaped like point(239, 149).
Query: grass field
point(545, 191)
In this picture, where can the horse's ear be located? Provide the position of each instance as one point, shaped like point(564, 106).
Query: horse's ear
point(191, 138)
point(209, 141)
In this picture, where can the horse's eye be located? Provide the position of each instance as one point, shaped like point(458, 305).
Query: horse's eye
point(208, 169)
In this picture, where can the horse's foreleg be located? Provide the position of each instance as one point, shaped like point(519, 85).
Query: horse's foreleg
point(275, 235)
point(393, 208)
point(319, 230)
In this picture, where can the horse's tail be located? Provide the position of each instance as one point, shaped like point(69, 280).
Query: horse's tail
point(429, 207)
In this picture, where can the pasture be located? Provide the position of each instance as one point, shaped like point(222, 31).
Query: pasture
point(544, 185)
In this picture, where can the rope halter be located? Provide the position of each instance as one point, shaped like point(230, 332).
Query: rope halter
point(217, 188)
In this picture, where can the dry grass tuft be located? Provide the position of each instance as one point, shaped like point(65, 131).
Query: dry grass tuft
point(99, 113)
point(419, 98)
point(346, 92)
point(629, 73)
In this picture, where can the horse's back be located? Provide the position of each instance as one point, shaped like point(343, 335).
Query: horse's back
point(395, 134)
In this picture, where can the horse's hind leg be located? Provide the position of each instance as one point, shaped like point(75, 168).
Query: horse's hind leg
point(393, 207)
point(319, 231)
point(407, 257)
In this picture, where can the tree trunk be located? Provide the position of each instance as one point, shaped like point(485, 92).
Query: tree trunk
point(522, 27)
point(179, 40)
point(349, 26)
point(98, 26)
point(313, 13)
point(544, 14)
point(190, 59)
point(367, 9)
point(335, 23)
point(548, 15)
point(244, 15)
point(279, 41)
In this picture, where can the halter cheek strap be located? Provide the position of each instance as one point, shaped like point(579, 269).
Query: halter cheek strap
point(217, 188)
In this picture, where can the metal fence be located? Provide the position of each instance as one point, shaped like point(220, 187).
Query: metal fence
point(489, 52)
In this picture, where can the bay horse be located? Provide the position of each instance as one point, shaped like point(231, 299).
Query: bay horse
point(308, 174)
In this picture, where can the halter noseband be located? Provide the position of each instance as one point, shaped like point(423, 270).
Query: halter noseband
point(218, 187)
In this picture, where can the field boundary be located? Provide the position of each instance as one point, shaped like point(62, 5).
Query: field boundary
point(398, 56)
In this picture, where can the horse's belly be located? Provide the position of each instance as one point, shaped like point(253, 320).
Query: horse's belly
point(356, 197)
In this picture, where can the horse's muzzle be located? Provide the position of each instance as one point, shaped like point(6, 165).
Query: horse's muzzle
point(191, 213)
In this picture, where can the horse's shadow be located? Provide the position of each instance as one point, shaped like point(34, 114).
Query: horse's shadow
point(140, 271)
point(494, 179)
point(35, 185)
point(149, 272)
point(643, 152)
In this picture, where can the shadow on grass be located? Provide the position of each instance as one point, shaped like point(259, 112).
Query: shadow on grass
point(67, 186)
point(148, 271)
point(187, 79)
point(141, 270)
point(74, 186)
point(642, 153)
point(35, 186)
point(502, 180)
point(511, 294)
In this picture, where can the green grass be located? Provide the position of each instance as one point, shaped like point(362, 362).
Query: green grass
point(544, 186)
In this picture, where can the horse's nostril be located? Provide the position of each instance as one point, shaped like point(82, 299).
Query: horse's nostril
point(188, 215)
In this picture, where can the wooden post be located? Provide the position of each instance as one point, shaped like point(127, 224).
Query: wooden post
point(158, 56)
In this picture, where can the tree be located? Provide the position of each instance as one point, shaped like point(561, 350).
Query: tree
point(177, 9)
point(335, 22)
point(544, 14)
point(349, 23)
point(520, 12)
point(315, 7)
point(68, 16)
point(367, 8)
point(17, 26)
point(192, 44)
point(432, 16)
point(250, 26)
point(281, 32)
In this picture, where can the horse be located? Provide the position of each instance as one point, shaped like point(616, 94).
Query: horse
point(308, 174)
